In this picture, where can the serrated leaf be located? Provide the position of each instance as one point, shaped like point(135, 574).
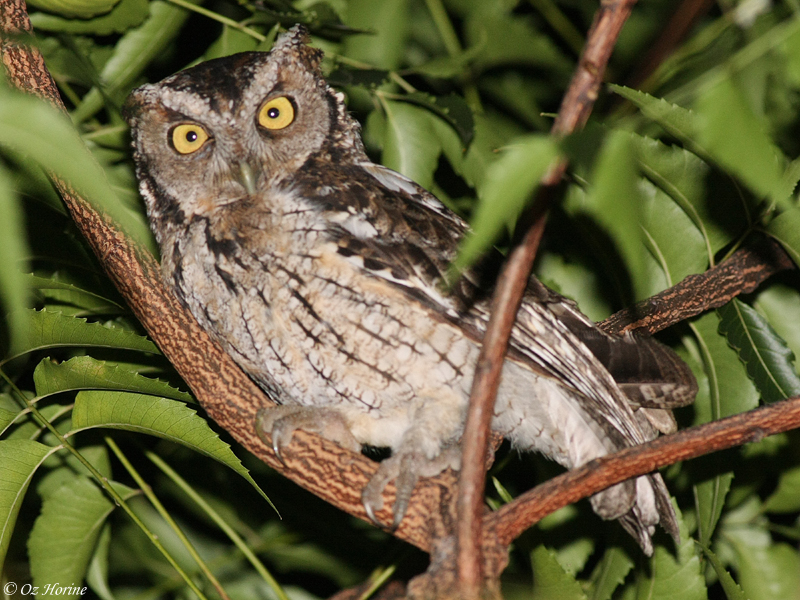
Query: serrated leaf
point(47, 329)
point(550, 581)
point(126, 14)
point(729, 586)
point(674, 576)
point(167, 419)
point(786, 229)
point(769, 361)
point(675, 120)
point(786, 498)
point(65, 533)
point(19, 460)
point(735, 139)
point(407, 147)
point(507, 187)
point(710, 501)
point(609, 573)
point(86, 373)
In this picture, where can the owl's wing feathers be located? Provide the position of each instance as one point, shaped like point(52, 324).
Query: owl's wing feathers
point(409, 238)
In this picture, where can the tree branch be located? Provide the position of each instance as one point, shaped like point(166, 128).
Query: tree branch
point(573, 114)
point(741, 273)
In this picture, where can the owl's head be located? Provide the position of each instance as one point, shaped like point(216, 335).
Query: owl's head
point(227, 128)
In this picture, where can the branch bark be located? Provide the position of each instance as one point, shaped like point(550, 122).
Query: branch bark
point(741, 273)
point(573, 114)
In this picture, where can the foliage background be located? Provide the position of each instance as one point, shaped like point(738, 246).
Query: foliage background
point(662, 184)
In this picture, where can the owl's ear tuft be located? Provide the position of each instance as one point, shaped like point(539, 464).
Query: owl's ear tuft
point(294, 44)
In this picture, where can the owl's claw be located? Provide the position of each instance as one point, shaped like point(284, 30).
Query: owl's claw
point(406, 468)
point(281, 422)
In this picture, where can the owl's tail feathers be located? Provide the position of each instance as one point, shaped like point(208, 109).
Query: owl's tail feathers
point(650, 506)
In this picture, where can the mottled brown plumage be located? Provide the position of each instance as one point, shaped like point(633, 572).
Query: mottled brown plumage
point(320, 273)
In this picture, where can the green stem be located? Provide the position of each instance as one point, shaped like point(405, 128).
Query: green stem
point(148, 491)
point(227, 529)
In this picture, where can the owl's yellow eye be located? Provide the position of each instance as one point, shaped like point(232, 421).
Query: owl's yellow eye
point(276, 113)
point(188, 138)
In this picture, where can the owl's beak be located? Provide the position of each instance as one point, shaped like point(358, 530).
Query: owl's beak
point(248, 177)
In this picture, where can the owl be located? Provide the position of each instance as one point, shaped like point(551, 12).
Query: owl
point(321, 273)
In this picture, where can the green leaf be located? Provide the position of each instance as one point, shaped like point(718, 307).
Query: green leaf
point(126, 14)
point(615, 202)
point(769, 361)
point(609, 573)
point(786, 229)
point(781, 305)
point(728, 390)
point(710, 501)
point(506, 39)
point(550, 581)
point(673, 576)
point(32, 126)
point(13, 250)
point(683, 177)
point(675, 120)
point(387, 22)
point(407, 147)
point(786, 498)
point(729, 586)
point(132, 54)
point(509, 183)
point(19, 460)
point(49, 329)
point(86, 373)
point(733, 136)
point(83, 9)
point(767, 571)
point(167, 419)
point(452, 108)
point(65, 533)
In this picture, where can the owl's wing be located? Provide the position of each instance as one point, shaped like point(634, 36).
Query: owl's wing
point(398, 232)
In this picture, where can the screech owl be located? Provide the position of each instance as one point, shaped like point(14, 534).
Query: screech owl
point(320, 273)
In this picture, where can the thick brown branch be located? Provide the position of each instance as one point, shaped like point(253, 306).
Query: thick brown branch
point(225, 392)
point(743, 272)
point(575, 109)
point(512, 519)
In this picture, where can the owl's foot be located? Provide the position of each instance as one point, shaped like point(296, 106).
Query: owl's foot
point(407, 468)
point(281, 422)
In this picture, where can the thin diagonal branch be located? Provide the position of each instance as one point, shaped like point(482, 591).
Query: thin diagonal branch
point(573, 114)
